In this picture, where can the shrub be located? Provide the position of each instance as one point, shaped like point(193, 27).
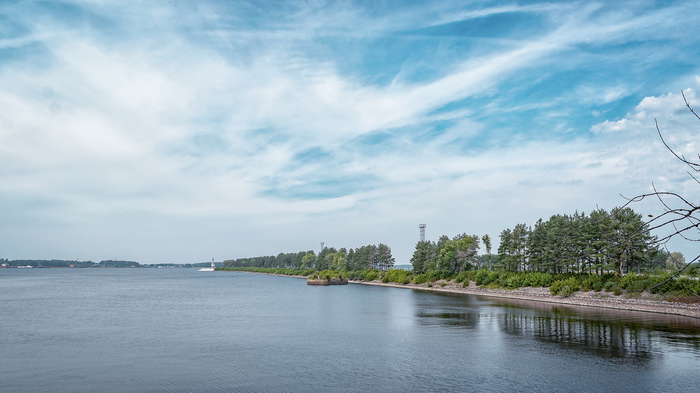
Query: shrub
point(629, 279)
point(617, 291)
point(442, 284)
point(639, 285)
point(589, 282)
point(482, 277)
point(683, 285)
point(462, 277)
point(395, 275)
point(598, 286)
point(557, 286)
point(420, 279)
point(370, 275)
point(430, 284)
point(511, 280)
point(608, 286)
point(566, 291)
point(405, 280)
point(537, 279)
point(609, 277)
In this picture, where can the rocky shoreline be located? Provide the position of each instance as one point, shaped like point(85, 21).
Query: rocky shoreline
point(644, 302)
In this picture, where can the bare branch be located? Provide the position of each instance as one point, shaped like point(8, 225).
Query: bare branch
point(688, 105)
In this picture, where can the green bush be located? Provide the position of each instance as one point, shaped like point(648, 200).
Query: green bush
point(598, 286)
point(566, 291)
point(481, 277)
point(617, 291)
point(442, 284)
point(370, 275)
point(396, 275)
point(639, 285)
point(557, 287)
point(405, 280)
point(511, 280)
point(608, 286)
point(630, 279)
point(589, 282)
point(430, 284)
point(420, 279)
point(684, 286)
point(464, 277)
point(537, 279)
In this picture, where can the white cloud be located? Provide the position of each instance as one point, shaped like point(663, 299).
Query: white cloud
point(665, 108)
point(163, 133)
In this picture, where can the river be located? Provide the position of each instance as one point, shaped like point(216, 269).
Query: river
point(180, 330)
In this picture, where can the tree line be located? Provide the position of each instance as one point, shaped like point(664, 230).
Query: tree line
point(68, 263)
point(618, 240)
point(366, 257)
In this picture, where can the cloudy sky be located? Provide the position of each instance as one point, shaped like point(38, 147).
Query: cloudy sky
point(179, 130)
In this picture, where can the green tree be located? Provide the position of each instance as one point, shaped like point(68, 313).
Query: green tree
point(675, 262)
point(419, 260)
point(505, 249)
point(458, 254)
point(308, 260)
point(487, 245)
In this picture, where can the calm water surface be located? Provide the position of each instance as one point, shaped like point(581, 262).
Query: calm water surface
point(180, 330)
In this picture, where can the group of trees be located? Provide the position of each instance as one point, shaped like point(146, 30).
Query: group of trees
point(43, 262)
point(617, 240)
point(450, 255)
point(366, 257)
point(67, 263)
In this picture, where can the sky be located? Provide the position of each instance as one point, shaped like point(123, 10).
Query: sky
point(176, 131)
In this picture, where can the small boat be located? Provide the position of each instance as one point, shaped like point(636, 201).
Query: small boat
point(327, 281)
point(209, 269)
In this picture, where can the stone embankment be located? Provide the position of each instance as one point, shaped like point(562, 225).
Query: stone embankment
point(645, 301)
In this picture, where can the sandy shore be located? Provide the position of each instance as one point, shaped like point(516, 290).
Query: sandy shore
point(645, 302)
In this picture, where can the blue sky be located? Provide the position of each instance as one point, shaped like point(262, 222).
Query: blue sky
point(177, 131)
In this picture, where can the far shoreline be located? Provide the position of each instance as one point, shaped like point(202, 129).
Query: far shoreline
point(643, 303)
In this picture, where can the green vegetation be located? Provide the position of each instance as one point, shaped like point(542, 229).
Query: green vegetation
point(366, 257)
point(66, 263)
point(604, 251)
point(618, 240)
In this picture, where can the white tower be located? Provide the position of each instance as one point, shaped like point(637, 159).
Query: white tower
point(213, 266)
point(422, 232)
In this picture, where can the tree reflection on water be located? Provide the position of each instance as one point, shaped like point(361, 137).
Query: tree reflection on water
point(604, 332)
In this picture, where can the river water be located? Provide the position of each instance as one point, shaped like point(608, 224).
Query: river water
point(180, 330)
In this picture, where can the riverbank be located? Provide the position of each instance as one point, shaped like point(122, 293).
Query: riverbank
point(644, 302)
